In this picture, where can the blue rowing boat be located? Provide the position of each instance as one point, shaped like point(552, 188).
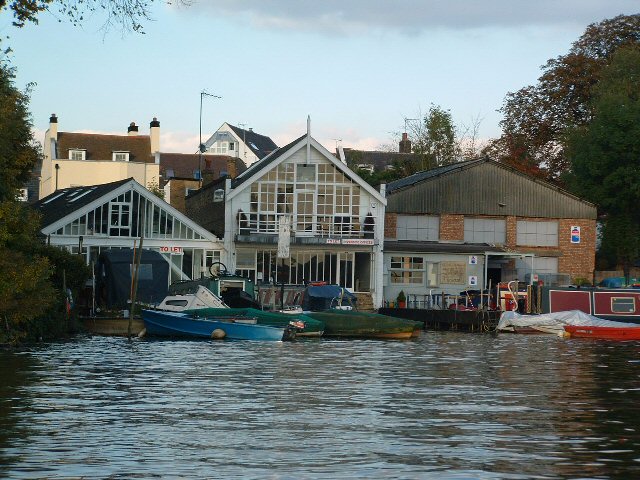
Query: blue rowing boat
point(174, 324)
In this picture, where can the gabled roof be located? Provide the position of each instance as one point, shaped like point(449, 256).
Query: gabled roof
point(260, 145)
point(434, 172)
point(261, 164)
point(63, 202)
point(67, 204)
point(101, 147)
point(184, 164)
point(256, 169)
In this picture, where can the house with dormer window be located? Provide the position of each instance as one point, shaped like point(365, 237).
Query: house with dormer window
point(89, 219)
point(334, 220)
point(246, 145)
point(83, 159)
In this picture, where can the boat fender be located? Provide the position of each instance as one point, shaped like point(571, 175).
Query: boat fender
point(218, 334)
point(142, 333)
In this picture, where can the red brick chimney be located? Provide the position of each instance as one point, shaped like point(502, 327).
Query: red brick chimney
point(405, 144)
point(231, 167)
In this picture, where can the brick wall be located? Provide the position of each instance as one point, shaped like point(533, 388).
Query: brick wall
point(178, 192)
point(578, 259)
point(512, 231)
point(201, 208)
point(451, 227)
point(390, 225)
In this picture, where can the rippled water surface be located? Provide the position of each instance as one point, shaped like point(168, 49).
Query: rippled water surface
point(447, 405)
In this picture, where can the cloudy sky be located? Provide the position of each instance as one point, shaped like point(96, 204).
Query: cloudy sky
point(359, 68)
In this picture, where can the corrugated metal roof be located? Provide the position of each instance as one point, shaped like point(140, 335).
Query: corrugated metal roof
point(483, 187)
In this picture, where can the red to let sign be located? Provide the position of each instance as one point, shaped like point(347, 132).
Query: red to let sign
point(172, 250)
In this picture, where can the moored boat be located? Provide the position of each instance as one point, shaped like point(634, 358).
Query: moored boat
point(604, 333)
point(574, 323)
point(305, 326)
point(350, 323)
point(179, 324)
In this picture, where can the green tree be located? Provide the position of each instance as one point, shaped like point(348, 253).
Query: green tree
point(127, 14)
point(605, 155)
point(434, 139)
point(30, 272)
point(18, 151)
point(537, 118)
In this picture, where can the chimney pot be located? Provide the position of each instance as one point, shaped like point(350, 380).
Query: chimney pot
point(133, 129)
point(53, 118)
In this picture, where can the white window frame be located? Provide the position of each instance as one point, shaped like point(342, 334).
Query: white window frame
point(407, 270)
point(120, 156)
point(75, 152)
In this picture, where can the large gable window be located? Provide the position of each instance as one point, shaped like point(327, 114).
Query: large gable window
point(125, 215)
point(321, 199)
point(77, 154)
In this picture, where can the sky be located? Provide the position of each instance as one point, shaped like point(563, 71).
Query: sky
point(358, 68)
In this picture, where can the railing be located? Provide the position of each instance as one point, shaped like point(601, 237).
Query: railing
point(323, 226)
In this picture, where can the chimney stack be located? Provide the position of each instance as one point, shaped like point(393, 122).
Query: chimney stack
point(231, 167)
point(53, 127)
point(405, 144)
point(155, 135)
point(133, 129)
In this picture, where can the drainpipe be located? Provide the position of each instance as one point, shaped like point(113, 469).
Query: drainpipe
point(57, 168)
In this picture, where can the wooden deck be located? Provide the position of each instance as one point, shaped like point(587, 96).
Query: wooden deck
point(455, 320)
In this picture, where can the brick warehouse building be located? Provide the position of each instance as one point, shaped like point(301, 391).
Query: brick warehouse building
point(468, 224)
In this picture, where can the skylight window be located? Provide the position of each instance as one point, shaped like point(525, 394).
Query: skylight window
point(253, 145)
point(53, 198)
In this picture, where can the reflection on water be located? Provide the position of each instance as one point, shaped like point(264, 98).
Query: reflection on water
point(446, 405)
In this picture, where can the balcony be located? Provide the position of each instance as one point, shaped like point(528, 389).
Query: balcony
point(263, 228)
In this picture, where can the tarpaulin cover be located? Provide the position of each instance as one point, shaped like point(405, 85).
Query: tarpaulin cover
point(114, 272)
point(323, 297)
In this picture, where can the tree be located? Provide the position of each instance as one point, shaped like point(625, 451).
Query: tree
point(18, 151)
point(128, 14)
point(434, 139)
point(537, 118)
point(605, 155)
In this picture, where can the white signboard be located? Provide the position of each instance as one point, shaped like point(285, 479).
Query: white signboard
point(284, 236)
point(173, 250)
point(473, 280)
point(575, 234)
point(473, 259)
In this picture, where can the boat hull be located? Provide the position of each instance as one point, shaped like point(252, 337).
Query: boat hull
point(169, 324)
point(312, 327)
point(603, 333)
point(340, 323)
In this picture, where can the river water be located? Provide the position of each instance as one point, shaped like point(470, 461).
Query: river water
point(447, 405)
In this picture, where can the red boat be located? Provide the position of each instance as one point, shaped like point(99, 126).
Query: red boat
point(604, 333)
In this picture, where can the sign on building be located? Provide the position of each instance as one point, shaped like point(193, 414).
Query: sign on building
point(575, 234)
point(473, 259)
point(284, 236)
point(453, 273)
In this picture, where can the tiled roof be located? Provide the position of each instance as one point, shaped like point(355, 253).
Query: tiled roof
point(101, 147)
point(260, 164)
point(185, 164)
point(379, 160)
point(434, 172)
point(260, 145)
point(63, 202)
